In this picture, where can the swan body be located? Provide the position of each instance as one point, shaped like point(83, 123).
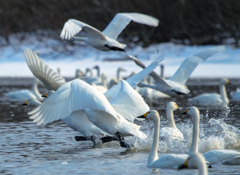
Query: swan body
point(171, 132)
point(214, 156)
point(196, 161)
point(236, 95)
point(176, 84)
point(167, 161)
point(213, 99)
point(78, 95)
point(21, 95)
point(105, 40)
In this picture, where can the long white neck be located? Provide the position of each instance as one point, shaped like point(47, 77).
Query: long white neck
point(202, 168)
point(195, 135)
point(153, 156)
point(80, 38)
point(35, 89)
point(118, 75)
point(170, 117)
point(104, 83)
point(223, 93)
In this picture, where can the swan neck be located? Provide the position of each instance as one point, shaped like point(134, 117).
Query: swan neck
point(35, 89)
point(223, 93)
point(104, 83)
point(195, 135)
point(202, 168)
point(162, 70)
point(153, 156)
point(98, 71)
point(118, 75)
point(170, 117)
point(91, 73)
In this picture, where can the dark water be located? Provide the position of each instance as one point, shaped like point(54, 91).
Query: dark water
point(51, 149)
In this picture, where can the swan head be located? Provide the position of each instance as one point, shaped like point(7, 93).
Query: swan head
point(172, 106)
point(191, 111)
point(195, 160)
point(78, 73)
point(112, 83)
point(96, 67)
point(121, 69)
point(225, 81)
point(48, 94)
point(150, 115)
point(31, 103)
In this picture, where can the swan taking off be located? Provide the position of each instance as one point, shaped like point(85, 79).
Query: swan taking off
point(105, 40)
point(213, 99)
point(176, 84)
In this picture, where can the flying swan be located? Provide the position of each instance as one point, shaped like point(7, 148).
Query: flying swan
point(107, 39)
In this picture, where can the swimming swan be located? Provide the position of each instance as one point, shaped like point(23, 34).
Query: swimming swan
point(227, 157)
point(171, 132)
point(21, 95)
point(105, 40)
point(167, 161)
point(176, 84)
point(196, 161)
point(213, 99)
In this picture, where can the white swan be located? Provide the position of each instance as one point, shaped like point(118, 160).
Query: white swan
point(213, 99)
point(102, 87)
point(78, 95)
point(167, 161)
point(196, 160)
point(117, 91)
point(227, 157)
point(236, 95)
point(176, 84)
point(171, 132)
point(105, 40)
point(21, 95)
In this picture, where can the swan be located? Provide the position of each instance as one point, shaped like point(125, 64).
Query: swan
point(102, 87)
point(38, 67)
point(78, 95)
point(98, 70)
point(176, 84)
point(171, 132)
point(213, 99)
point(79, 73)
point(91, 79)
point(25, 94)
point(236, 95)
point(105, 40)
point(120, 69)
point(196, 160)
point(166, 161)
point(227, 157)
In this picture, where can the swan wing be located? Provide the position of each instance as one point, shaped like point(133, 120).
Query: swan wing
point(156, 77)
point(135, 79)
point(128, 102)
point(74, 95)
point(121, 20)
point(73, 26)
point(51, 79)
point(190, 63)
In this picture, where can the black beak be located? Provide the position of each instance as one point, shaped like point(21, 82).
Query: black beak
point(229, 83)
point(184, 113)
point(142, 116)
point(24, 104)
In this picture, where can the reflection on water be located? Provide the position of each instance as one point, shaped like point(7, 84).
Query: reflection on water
point(51, 149)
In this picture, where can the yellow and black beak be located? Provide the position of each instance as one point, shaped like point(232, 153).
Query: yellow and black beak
point(144, 115)
point(25, 103)
point(45, 95)
point(229, 83)
point(185, 111)
point(185, 165)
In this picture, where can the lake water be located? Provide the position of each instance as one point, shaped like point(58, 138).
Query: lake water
point(51, 149)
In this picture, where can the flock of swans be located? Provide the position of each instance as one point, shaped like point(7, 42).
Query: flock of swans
point(104, 112)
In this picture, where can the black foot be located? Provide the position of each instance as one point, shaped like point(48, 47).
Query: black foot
point(108, 139)
point(122, 143)
point(83, 138)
